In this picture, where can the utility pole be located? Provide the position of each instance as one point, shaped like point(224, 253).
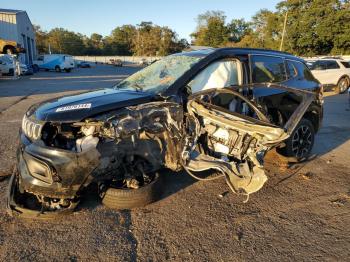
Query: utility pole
point(284, 30)
point(49, 49)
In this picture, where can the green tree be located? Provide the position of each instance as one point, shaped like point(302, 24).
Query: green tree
point(40, 39)
point(237, 29)
point(317, 27)
point(66, 42)
point(154, 40)
point(211, 29)
point(121, 40)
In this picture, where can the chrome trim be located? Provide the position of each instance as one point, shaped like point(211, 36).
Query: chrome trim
point(31, 128)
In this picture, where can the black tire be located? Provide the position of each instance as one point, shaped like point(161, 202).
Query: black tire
point(299, 144)
point(342, 85)
point(10, 51)
point(67, 70)
point(57, 69)
point(36, 68)
point(115, 198)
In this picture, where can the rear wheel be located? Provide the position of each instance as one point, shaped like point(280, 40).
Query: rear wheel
point(57, 69)
point(301, 141)
point(342, 85)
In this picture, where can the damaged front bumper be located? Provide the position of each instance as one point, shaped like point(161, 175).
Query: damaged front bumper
point(47, 180)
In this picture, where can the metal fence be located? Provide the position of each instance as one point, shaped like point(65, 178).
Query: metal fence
point(125, 59)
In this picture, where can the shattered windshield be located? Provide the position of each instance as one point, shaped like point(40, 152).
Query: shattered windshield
point(160, 75)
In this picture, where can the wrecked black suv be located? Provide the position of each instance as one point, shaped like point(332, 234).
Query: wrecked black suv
point(213, 109)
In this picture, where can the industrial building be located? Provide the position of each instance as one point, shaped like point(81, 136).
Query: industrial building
point(15, 25)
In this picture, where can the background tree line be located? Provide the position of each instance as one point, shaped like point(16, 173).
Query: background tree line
point(144, 39)
point(314, 27)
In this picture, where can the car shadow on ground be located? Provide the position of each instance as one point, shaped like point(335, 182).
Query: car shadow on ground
point(172, 182)
point(335, 130)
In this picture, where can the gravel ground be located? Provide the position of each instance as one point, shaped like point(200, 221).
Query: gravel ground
point(303, 212)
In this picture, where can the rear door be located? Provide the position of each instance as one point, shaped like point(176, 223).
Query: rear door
point(322, 73)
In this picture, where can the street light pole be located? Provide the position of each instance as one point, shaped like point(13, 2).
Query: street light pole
point(284, 30)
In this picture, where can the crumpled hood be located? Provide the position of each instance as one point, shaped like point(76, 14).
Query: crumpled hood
point(78, 107)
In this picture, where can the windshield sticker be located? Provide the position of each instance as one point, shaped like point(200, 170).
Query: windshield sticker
point(73, 107)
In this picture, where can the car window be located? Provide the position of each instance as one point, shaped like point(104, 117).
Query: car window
point(345, 64)
point(267, 69)
point(219, 74)
point(291, 69)
point(40, 58)
point(303, 70)
point(159, 76)
point(332, 64)
point(319, 65)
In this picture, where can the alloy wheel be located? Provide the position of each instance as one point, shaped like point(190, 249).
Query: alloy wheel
point(302, 141)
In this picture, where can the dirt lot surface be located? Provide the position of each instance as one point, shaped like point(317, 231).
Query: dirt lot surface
point(302, 213)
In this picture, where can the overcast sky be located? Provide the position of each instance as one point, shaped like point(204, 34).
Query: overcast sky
point(90, 16)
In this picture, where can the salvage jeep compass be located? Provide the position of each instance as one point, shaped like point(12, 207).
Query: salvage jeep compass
point(213, 109)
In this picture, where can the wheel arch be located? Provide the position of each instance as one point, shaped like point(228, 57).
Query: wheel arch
point(344, 76)
point(6, 47)
point(313, 114)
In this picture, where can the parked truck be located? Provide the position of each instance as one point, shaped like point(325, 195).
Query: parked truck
point(57, 62)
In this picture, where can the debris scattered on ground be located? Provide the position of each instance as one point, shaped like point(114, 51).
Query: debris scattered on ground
point(308, 175)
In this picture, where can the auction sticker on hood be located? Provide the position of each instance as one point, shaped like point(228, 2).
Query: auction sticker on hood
point(73, 107)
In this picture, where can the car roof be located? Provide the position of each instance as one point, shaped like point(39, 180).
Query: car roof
point(241, 51)
point(330, 59)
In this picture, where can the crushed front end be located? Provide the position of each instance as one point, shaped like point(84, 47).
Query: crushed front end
point(56, 161)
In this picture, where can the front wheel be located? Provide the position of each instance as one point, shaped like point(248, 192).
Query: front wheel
point(301, 141)
point(342, 85)
point(127, 198)
point(67, 70)
point(57, 69)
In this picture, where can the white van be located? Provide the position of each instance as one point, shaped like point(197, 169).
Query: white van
point(6, 65)
point(57, 62)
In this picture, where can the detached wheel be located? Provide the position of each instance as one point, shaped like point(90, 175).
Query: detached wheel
point(126, 198)
point(342, 85)
point(301, 141)
point(57, 69)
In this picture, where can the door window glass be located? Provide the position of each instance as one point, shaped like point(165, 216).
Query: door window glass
point(267, 69)
point(319, 65)
point(346, 64)
point(303, 71)
point(291, 70)
point(332, 64)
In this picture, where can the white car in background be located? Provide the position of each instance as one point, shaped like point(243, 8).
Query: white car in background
point(6, 65)
point(332, 72)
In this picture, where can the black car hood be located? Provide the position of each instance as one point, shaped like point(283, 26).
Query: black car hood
point(78, 107)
